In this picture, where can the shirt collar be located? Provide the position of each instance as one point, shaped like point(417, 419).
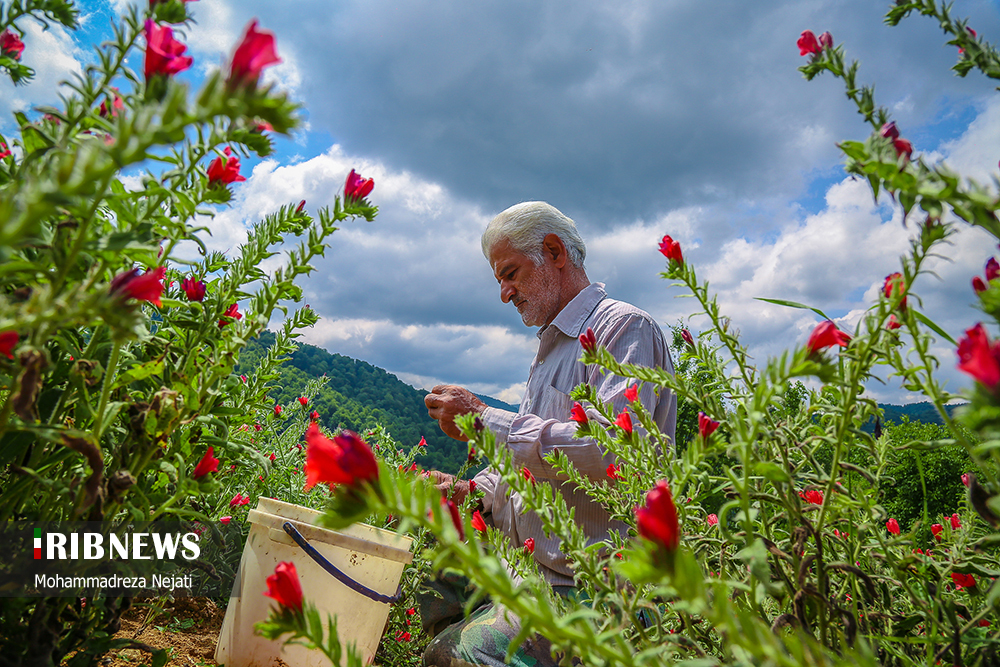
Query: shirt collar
point(571, 319)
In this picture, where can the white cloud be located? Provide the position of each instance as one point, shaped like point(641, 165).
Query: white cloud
point(54, 57)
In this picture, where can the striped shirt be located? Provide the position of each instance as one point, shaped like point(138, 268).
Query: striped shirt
point(542, 423)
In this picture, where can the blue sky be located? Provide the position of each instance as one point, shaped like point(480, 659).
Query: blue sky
point(637, 119)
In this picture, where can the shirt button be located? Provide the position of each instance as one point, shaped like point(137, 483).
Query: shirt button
point(541, 361)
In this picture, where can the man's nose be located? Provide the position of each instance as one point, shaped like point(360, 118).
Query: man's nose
point(507, 291)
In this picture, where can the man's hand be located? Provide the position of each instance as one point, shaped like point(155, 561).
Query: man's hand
point(447, 401)
point(444, 482)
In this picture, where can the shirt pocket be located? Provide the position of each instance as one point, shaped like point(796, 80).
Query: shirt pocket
point(555, 404)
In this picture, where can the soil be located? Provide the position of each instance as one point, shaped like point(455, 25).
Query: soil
point(188, 627)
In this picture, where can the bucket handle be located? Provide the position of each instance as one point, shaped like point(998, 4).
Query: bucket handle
point(332, 569)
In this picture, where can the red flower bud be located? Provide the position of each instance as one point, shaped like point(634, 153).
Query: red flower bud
point(936, 531)
point(579, 415)
point(808, 44)
point(965, 479)
point(456, 519)
point(477, 522)
point(357, 187)
point(992, 268)
point(890, 131)
point(624, 422)
point(194, 289)
point(632, 393)
point(225, 519)
point(588, 340)
point(255, 52)
point(527, 475)
point(11, 45)
point(207, 464)
point(903, 147)
point(472, 486)
point(826, 40)
point(284, 587)
point(529, 545)
point(671, 249)
point(303, 401)
point(980, 358)
point(706, 425)
point(163, 52)
point(277, 411)
point(826, 335)
point(956, 523)
point(8, 339)
point(423, 442)
point(657, 520)
point(712, 519)
point(892, 526)
point(893, 323)
point(613, 471)
point(688, 338)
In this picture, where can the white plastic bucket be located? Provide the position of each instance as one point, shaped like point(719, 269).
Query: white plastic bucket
point(371, 557)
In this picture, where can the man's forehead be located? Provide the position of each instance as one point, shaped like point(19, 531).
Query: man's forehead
point(502, 254)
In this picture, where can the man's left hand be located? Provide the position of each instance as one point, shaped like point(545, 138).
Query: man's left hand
point(447, 401)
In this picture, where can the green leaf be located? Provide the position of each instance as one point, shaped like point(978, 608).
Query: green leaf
point(934, 327)
point(793, 304)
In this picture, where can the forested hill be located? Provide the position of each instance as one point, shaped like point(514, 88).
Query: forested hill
point(359, 395)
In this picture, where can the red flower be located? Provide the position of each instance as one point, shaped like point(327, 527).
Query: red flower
point(979, 358)
point(456, 518)
point(194, 289)
point(808, 44)
point(529, 545)
point(344, 460)
point(277, 411)
point(357, 187)
point(671, 249)
point(706, 425)
point(411, 611)
point(890, 131)
point(956, 523)
point(936, 531)
point(971, 32)
point(578, 414)
point(527, 475)
point(632, 393)
point(207, 464)
point(284, 586)
point(893, 323)
point(4, 150)
point(227, 171)
point(477, 522)
point(892, 526)
point(239, 500)
point(965, 479)
point(147, 287)
point(11, 45)
point(303, 401)
point(624, 422)
point(225, 519)
point(983, 623)
point(272, 456)
point(712, 519)
point(314, 415)
point(232, 312)
point(163, 52)
point(298, 209)
point(8, 339)
point(472, 486)
point(613, 471)
point(688, 338)
point(588, 340)
point(826, 334)
point(253, 54)
point(992, 268)
point(657, 520)
point(472, 454)
point(423, 442)
point(963, 580)
point(903, 147)
point(116, 105)
point(812, 496)
point(403, 636)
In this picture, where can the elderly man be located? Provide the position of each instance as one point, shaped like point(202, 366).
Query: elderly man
point(537, 258)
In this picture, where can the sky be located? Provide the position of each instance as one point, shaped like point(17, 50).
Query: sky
point(635, 118)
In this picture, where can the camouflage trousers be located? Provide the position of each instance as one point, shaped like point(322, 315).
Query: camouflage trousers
point(481, 639)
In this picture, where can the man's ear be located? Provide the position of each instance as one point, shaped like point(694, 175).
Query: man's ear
point(554, 248)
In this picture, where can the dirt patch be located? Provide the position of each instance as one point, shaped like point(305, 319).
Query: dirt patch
point(188, 627)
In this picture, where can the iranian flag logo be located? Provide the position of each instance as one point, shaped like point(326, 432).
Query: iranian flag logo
point(38, 543)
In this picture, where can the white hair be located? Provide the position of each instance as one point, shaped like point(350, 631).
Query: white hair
point(525, 227)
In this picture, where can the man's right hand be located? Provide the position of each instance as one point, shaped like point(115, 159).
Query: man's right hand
point(444, 483)
point(447, 401)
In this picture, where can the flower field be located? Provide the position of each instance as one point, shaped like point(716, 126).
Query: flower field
point(779, 530)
